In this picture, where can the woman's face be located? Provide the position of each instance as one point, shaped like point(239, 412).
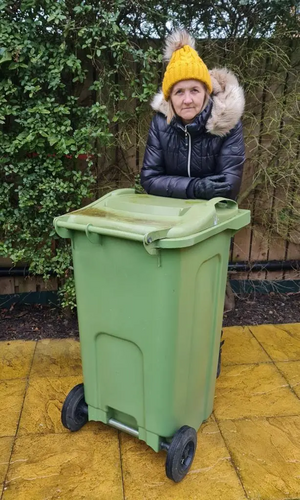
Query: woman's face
point(188, 97)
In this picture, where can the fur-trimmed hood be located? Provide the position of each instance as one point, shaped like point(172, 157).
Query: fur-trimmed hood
point(227, 102)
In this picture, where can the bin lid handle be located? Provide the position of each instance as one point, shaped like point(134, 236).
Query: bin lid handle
point(150, 239)
point(220, 202)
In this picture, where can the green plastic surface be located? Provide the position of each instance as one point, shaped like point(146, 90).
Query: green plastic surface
point(150, 325)
point(122, 213)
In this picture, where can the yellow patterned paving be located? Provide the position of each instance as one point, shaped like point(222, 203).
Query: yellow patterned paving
point(212, 475)
point(56, 358)
point(248, 450)
point(267, 454)
point(254, 391)
point(16, 358)
point(79, 465)
point(11, 397)
point(42, 406)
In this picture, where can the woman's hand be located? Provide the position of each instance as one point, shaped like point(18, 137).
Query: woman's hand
point(211, 187)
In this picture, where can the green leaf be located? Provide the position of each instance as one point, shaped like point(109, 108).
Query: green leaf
point(43, 133)
point(53, 140)
point(6, 56)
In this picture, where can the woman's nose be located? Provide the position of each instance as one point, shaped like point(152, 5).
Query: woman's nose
point(187, 98)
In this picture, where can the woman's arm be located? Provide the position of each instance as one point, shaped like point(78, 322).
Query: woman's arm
point(153, 177)
point(231, 160)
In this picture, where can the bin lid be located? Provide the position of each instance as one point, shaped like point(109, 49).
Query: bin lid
point(123, 213)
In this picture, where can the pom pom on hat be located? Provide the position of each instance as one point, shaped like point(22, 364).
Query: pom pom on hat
point(176, 41)
point(185, 63)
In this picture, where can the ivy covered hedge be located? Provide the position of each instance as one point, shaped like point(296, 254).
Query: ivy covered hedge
point(46, 50)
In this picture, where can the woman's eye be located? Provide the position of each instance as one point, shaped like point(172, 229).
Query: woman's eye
point(179, 92)
point(195, 90)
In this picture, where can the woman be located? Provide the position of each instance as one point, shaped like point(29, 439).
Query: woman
point(195, 147)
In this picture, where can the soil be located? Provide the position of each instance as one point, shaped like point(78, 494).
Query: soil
point(259, 309)
point(38, 322)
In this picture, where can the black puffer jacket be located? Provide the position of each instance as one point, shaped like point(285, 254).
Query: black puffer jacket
point(213, 144)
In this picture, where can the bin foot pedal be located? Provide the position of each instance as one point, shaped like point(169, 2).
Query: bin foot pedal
point(122, 427)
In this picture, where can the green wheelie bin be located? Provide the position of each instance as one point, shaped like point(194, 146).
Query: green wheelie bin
point(150, 276)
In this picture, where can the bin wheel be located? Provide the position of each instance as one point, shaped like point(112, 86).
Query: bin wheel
point(181, 453)
point(74, 412)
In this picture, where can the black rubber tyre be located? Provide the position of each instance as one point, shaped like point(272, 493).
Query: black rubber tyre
point(181, 453)
point(74, 411)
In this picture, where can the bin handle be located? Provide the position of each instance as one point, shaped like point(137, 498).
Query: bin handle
point(221, 203)
point(150, 239)
point(92, 237)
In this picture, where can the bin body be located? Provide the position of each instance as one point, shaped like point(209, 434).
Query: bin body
point(150, 329)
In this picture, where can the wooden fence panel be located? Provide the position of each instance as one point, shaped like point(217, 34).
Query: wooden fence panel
point(293, 253)
point(7, 285)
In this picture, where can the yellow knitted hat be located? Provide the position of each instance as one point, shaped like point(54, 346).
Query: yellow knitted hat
point(185, 63)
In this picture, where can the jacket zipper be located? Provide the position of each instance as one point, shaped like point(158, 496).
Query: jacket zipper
point(188, 143)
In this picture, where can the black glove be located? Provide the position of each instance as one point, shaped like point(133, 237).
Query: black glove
point(211, 187)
